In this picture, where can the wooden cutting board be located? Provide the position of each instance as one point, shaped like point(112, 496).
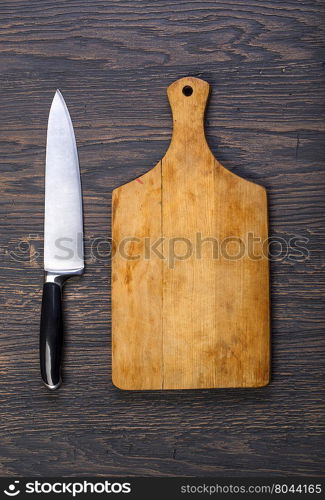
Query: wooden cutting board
point(190, 277)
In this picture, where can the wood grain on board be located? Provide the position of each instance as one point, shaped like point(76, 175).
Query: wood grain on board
point(195, 314)
point(265, 122)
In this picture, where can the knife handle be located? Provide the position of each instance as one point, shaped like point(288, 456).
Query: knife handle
point(51, 335)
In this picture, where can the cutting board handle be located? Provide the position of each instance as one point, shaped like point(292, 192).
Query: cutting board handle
point(188, 99)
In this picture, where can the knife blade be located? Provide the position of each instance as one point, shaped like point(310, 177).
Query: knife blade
point(63, 234)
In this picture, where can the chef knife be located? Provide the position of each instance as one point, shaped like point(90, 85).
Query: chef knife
point(63, 234)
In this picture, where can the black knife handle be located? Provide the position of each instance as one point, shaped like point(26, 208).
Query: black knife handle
point(51, 335)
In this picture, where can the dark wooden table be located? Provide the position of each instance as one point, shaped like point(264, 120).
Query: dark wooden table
point(113, 61)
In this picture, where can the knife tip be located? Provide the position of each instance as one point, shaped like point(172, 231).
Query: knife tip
point(58, 99)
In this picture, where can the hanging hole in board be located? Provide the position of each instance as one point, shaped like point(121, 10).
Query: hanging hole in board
point(187, 90)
